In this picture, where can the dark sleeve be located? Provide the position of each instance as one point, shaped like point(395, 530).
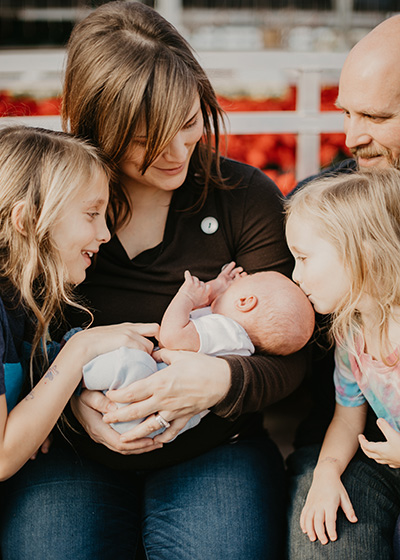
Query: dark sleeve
point(345, 166)
point(260, 380)
point(2, 384)
point(2, 352)
point(258, 231)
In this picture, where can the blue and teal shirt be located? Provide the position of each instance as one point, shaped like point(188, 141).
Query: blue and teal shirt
point(16, 332)
point(13, 348)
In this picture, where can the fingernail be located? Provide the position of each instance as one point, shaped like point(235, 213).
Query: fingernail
point(112, 407)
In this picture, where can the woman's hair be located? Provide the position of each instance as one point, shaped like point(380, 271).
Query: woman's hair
point(43, 169)
point(359, 213)
point(128, 67)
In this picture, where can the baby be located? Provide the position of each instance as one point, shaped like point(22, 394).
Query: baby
point(235, 313)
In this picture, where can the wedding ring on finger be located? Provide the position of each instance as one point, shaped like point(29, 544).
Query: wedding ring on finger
point(163, 423)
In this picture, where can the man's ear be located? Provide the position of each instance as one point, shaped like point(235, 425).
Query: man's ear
point(17, 217)
point(246, 303)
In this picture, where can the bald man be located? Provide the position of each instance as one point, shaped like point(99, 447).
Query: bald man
point(369, 95)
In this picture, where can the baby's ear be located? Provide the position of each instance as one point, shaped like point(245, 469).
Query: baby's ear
point(246, 303)
point(17, 217)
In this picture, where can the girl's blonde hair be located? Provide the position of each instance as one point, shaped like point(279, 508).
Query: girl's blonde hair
point(359, 213)
point(128, 67)
point(44, 169)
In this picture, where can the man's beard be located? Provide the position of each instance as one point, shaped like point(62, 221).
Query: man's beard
point(370, 152)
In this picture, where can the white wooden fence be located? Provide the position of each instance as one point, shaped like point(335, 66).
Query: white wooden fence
point(33, 70)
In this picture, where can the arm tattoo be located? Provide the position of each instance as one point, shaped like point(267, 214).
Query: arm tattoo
point(51, 373)
point(48, 376)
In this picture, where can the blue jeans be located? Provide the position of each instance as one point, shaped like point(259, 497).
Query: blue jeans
point(374, 491)
point(226, 504)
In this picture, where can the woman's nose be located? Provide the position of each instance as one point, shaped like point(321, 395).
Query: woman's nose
point(176, 151)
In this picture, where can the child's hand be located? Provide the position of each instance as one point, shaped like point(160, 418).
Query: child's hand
point(384, 452)
point(196, 290)
point(318, 518)
point(99, 340)
point(224, 279)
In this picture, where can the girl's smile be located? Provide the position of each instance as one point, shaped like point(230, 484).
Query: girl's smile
point(81, 229)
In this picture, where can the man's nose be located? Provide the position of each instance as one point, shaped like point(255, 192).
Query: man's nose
point(357, 133)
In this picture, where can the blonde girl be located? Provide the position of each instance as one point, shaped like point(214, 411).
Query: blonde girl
point(344, 233)
point(53, 201)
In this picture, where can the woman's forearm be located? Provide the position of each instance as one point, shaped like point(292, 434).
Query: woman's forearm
point(260, 380)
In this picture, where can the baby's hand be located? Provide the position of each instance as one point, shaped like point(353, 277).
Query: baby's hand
point(224, 279)
point(196, 290)
point(229, 273)
point(384, 452)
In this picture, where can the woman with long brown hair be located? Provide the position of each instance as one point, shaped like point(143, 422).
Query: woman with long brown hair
point(134, 88)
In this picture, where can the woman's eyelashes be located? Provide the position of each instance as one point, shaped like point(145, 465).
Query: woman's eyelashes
point(192, 122)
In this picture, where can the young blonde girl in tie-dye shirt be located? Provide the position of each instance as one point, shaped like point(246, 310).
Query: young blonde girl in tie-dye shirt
point(344, 233)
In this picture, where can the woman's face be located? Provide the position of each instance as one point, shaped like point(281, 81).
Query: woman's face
point(81, 228)
point(169, 170)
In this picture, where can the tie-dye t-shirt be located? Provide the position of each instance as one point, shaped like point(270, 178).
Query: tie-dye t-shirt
point(363, 378)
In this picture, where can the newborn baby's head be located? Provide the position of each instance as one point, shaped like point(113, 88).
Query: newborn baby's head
point(273, 310)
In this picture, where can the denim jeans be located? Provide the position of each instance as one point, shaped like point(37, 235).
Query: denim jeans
point(374, 491)
point(225, 504)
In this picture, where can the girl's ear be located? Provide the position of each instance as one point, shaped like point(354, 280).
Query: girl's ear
point(246, 303)
point(17, 218)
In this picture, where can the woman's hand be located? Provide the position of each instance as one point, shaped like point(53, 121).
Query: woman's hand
point(384, 452)
point(88, 409)
point(191, 384)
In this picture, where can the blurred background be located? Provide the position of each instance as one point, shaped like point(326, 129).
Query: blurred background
point(275, 65)
point(211, 24)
